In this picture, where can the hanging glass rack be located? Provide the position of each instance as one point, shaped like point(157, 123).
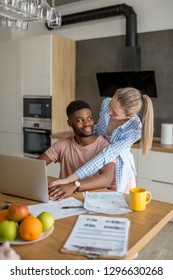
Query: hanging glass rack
point(29, 10)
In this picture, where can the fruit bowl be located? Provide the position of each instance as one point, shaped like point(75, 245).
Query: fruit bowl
point(20, 241)
point(19, 227)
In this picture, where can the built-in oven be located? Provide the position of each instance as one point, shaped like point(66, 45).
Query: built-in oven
point(37, 125)
point(36, 137)
point(37, 107)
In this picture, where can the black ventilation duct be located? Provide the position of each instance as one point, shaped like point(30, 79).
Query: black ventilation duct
point(131, 54)
point(117, 10)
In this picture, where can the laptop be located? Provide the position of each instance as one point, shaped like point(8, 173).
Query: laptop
point(24, 177)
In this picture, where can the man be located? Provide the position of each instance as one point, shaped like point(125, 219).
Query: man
point(74, 151)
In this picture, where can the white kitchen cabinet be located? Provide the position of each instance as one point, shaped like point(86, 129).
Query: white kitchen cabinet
point(159, 190)
point(154, 173)
point(37, 65)
point(11, 144)
point(10, 87)
point(53, 169)
point(49, 69)
point(156, 166)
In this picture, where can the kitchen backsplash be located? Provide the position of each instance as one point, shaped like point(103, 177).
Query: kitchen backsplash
point(105, 55)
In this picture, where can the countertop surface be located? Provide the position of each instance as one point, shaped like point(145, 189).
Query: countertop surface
point(61, 135)
point(157, 146)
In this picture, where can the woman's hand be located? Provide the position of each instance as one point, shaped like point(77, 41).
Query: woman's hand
point(59, 182)
point(66, 180)
point(61, 191)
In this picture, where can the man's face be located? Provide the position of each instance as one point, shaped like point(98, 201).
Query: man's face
point(82, 122)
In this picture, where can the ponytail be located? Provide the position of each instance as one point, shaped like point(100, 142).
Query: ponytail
point(147, 125)
point(133, 102)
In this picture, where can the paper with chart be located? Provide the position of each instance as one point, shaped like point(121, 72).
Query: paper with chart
point(99, 235)
point(55, 208)
point(106, 202)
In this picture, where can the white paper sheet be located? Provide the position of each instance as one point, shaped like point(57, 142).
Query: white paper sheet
point(55, 208)
point(106, 202)
point(99, 235)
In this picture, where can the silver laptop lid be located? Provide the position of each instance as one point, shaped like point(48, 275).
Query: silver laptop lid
point(24, 177)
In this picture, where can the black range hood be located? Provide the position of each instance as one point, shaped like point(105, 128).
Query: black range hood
point(109, 82)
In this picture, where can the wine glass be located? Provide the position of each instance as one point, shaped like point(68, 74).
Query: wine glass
point(17, 5)
point(43, 11)
point(3, 22)
point(10, 22)
point(29, 8)
point(54, 18)
point(6, 4)
point(21, 25)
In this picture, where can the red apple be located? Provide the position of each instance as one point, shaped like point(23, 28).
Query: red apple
point(17, 212)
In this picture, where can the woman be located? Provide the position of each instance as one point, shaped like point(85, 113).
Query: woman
point(119, 123)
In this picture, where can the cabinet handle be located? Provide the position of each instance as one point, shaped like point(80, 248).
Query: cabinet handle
point(156, 181)
point(35, 130)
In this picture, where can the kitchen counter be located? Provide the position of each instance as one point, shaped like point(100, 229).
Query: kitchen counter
point(157, 146)
point(61, 135)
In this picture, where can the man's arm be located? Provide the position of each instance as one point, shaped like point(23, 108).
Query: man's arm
point(45, 158)
point(102, 180)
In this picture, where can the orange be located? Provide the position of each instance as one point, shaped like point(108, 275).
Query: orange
point(30, 228)
point(3, 215)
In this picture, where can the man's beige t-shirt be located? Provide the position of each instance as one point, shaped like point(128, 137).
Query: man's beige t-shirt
point(71, 155)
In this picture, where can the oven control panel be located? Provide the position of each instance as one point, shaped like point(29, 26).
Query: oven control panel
point(37, 123)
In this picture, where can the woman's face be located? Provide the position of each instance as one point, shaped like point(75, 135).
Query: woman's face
point(116, 112)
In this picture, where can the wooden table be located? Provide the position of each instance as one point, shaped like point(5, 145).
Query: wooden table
point(144, 226)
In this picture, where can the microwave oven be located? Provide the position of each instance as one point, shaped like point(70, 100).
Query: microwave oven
point(37, 107)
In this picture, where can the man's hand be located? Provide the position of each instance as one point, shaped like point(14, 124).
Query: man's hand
point(58, 192)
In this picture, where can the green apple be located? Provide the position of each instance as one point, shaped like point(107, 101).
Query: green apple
point(8, 230)
point(46, 219)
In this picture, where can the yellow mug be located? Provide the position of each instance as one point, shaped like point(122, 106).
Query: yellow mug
point(138, 199)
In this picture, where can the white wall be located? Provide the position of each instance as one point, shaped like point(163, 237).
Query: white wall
point(152, 15)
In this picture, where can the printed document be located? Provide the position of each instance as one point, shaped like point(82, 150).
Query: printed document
point(56, 208)
point(99, 235)
point(106, 202)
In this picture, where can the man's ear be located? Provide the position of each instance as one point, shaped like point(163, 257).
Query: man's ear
point(69, 123)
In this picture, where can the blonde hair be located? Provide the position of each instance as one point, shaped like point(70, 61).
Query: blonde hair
point(133, 102)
